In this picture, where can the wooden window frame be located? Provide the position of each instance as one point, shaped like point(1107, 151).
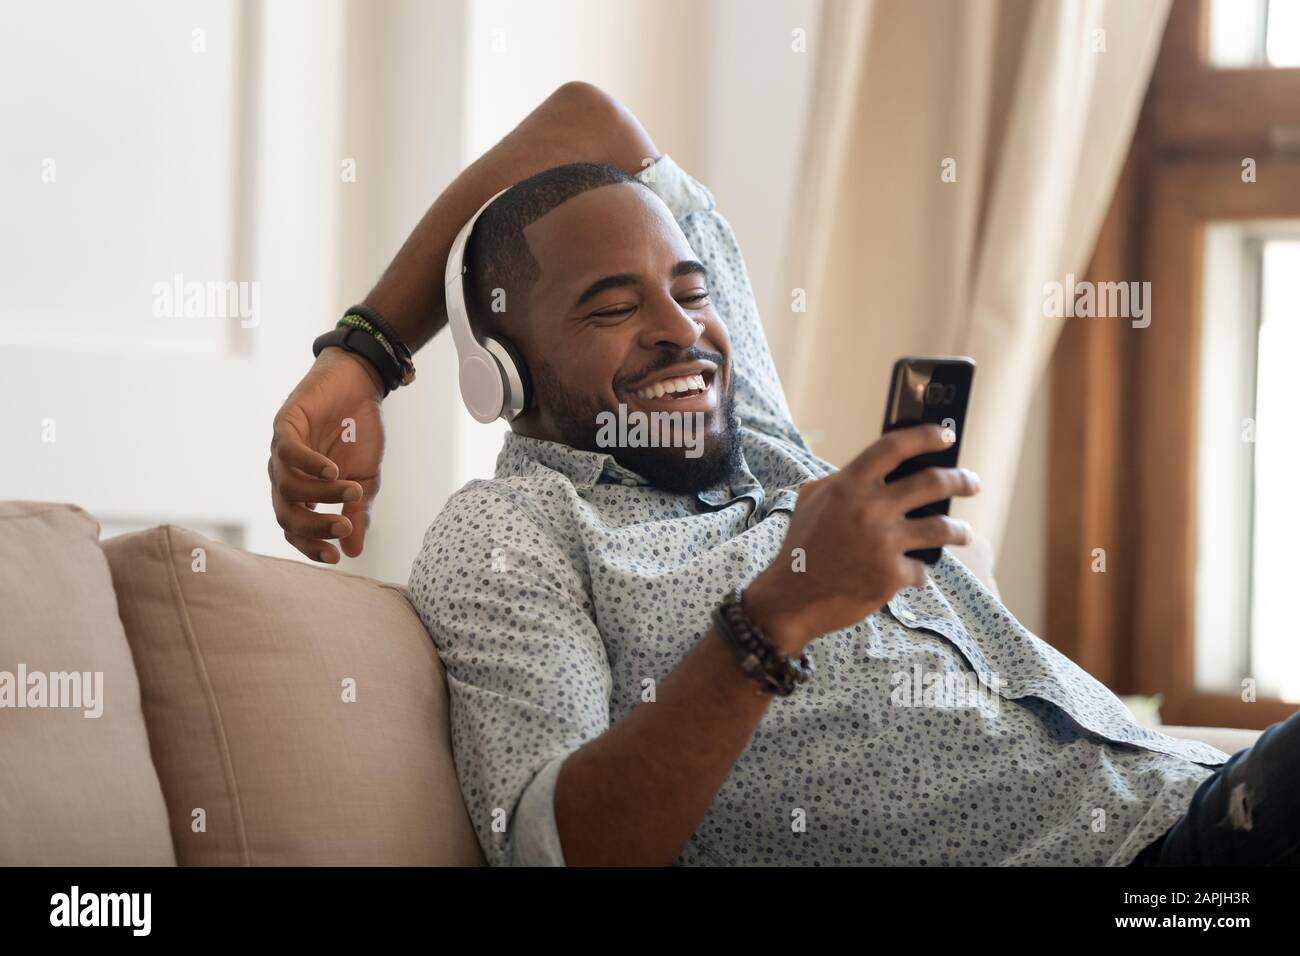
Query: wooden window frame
point(1122, 460)
point(1186, 197)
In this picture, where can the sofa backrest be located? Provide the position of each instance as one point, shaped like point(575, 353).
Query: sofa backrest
point(297, 715)
point(77, 785)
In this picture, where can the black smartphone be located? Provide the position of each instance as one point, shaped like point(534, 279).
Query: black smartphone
point(929, 390)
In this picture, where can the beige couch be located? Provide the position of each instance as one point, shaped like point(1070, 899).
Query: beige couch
point(251, 710)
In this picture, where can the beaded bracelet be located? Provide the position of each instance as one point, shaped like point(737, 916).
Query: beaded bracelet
point(759, 658)
point(367, 320)
point(351, 321)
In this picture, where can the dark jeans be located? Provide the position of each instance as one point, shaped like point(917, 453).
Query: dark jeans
point(1247, 814)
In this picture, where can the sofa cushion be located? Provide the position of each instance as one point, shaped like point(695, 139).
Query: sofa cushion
point(298, 715)
point(77, 785)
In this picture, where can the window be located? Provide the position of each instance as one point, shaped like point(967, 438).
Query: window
point(1171, 458)
point(1249, 33)
point(1250, 330)
point(1275, 654)
point(1250, 333)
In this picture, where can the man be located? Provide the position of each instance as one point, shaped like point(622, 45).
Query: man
point(601, 711)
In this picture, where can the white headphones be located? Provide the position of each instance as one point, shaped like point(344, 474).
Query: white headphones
point(493, 378)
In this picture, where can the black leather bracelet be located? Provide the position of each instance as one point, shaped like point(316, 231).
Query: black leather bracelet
point(759, 658)
point(369, 348)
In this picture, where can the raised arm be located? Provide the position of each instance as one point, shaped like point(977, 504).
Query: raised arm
point(576, 123)
point(309, 463)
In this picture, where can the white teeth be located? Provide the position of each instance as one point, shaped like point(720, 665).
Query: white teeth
point(671, 386)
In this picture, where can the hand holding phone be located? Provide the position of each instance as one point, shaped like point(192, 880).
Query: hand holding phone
point(858, 538)
point(853, 529)
point(929, 390)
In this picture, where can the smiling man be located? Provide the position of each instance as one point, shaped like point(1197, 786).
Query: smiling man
point(599, 712)
point(583, 268)
point(727, 658)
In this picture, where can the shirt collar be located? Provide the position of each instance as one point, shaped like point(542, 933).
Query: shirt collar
point(520, 455)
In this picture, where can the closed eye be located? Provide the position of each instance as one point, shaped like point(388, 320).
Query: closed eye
point(618, 313)
point(626, 310)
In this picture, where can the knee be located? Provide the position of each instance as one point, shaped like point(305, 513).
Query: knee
point(1257, 775)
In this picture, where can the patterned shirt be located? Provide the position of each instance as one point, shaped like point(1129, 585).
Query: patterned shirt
point(937, 731)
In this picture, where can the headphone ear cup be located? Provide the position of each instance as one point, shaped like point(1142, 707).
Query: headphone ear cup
point(482, 386)
point(515, 377)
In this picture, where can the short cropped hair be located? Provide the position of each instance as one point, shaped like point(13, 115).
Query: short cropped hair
point(497, 256)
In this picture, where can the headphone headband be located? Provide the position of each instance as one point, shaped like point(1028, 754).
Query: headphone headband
point(493, 381)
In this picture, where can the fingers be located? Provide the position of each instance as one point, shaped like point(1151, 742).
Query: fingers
point(316, 550)
point(934, 531)
point(932, 484)
point(294, 498)
point(303, 522)
point(294, 487)
point(358, 513)
point(896, 447)
point(289, 451)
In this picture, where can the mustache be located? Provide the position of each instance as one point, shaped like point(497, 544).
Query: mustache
point(668, 360)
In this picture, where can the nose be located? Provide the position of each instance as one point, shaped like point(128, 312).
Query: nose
point(669, 326)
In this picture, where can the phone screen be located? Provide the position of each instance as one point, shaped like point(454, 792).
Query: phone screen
point(923, 391)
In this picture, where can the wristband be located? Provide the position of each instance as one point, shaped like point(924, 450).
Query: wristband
point(759, 658)
point(377, 321)
point(359, 342)
point(351, 321)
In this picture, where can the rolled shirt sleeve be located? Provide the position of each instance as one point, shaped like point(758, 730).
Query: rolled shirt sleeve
point(535, 840)
point(527, 674)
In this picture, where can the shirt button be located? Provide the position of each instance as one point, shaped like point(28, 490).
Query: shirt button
point(630, 482)
point(906, 616)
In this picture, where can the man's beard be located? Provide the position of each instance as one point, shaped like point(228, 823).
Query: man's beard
point(668, 468)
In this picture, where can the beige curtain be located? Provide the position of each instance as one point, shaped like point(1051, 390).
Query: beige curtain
point(1034, 103)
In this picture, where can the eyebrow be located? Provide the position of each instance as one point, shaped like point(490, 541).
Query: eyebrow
point(685, 267)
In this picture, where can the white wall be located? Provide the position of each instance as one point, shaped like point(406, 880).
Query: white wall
point(404, 124)
point(160, 168)
point(759, 89)
point(226, 164)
